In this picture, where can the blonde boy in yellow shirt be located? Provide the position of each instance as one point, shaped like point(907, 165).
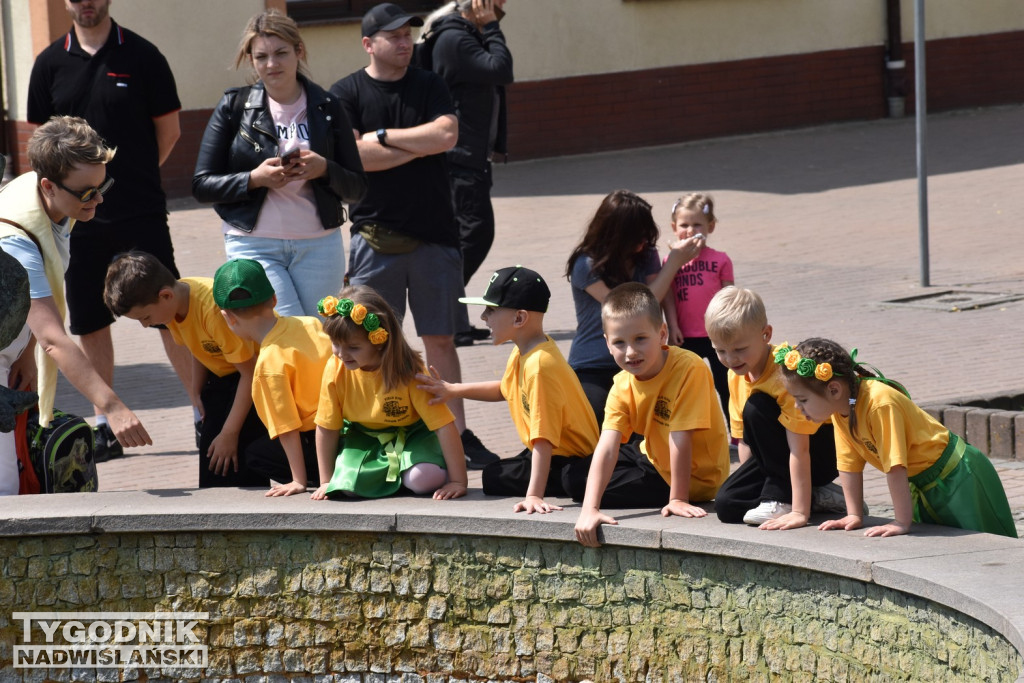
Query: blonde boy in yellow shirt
point(787, 462)
point(668, 395)
point(551, 413)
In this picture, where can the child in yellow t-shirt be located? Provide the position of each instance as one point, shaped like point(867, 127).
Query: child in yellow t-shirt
point(293, 352)
point(139, 287)
point(787, 462)
point(934, 476)
point(390, 434)
point(552, 415)
point(665, 393)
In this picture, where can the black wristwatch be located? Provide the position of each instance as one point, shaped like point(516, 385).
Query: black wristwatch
point(382, 136)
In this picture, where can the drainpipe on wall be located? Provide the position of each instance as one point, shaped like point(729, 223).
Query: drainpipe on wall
point(895, 65)
point(3, 100)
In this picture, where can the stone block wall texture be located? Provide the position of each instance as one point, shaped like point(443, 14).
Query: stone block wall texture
point(293, 606)
point(996, 433)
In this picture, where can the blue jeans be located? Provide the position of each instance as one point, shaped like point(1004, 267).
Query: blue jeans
point(301, 271)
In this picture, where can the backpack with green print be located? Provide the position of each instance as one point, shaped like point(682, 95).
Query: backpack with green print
point(63, 454)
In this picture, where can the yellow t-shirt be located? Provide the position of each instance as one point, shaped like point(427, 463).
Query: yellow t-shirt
point(205, 333)
point(679, 398)
point(359, 396)
point(891, 430)
point(770, 382)
point(546, 401)
point(288, 374)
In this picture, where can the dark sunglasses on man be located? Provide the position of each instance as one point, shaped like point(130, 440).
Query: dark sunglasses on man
point(90, 193)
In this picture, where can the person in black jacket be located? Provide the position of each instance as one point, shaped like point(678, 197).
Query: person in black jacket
point(468, 50)
point(278, 159)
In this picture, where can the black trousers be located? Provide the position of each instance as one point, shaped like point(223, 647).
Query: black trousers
point(596, 384)
point(471, 200)
point(634, 483)
point(218, 395)
point(765, 476)
point(511, 476)
point(267, 456)
point(703, 348)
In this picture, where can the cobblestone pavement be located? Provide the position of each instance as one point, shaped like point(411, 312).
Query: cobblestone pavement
point(822, 222)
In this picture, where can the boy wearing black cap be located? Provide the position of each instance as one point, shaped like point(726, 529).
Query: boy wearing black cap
point(139, 287)
point(550, 411)
point(293, 352)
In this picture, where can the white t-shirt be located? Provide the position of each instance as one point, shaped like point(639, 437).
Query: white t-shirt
point(288, 213)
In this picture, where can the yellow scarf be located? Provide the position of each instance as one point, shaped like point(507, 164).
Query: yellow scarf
point(20, 202)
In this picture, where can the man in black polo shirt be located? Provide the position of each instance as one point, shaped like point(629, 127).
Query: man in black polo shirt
point(404, 238)
point(124, 88)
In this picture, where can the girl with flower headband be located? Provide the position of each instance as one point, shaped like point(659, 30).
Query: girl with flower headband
point(377, 432)
point(696, 283)
point(934, 476)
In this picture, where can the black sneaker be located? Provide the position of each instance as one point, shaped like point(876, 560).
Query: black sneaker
point(471, 336)
point(107, 445)
point(477, 455)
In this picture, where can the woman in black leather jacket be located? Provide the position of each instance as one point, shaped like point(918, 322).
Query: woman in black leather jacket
point(277, 160)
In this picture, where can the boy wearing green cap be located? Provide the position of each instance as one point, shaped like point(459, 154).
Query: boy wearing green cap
point(139, 287)
point(286, 380)
point(551, 413)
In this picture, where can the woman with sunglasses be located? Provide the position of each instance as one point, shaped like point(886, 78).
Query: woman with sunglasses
point(277, 159)
point(37, 212)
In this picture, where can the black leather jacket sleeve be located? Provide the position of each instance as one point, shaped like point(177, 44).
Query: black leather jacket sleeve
point(217, 177)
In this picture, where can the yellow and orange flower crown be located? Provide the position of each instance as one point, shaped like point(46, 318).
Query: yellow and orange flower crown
point(804, 367)
point(330, 306)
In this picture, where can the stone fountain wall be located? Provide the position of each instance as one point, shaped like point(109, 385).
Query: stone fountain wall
point(358, 606)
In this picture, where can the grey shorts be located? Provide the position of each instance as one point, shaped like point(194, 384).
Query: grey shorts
point(430, 275)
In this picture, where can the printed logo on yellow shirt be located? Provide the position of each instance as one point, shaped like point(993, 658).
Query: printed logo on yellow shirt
point(211, 347)
point(870, 446)
point(394, 408)
point(526, 405)
point(661, 409)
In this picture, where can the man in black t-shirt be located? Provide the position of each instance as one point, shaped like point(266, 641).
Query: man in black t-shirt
point(404, 237)
point(124, 88)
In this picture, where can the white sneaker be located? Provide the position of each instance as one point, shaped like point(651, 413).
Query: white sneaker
point(766, 511)
point(828, 498)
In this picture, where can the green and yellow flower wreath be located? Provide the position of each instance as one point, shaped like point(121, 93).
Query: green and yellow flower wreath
point(331, 306)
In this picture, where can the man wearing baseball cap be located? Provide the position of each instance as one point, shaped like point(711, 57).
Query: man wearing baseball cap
point(545, 399)
point(405, 241)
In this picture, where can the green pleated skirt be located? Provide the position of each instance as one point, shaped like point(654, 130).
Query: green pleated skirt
point(962, 489)
point(371, 462)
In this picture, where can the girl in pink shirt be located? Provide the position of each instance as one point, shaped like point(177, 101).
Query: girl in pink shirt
point(696, 283)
